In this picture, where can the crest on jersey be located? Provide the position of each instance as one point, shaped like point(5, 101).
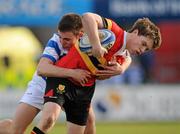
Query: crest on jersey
point(61, 89)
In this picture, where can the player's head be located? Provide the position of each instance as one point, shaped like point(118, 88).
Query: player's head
point(145, 36)
point(70, 29)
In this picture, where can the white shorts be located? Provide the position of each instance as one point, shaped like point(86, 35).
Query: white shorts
point(34, 95)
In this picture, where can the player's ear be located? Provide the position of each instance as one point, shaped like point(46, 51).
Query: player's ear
point(136, 31)
point(81, 33)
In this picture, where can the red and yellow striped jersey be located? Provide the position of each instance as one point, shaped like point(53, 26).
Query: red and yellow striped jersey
point(75, 59)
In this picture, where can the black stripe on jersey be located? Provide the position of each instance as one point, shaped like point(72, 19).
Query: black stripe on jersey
point(104, 22)
point(61, 56)
point(95, 62)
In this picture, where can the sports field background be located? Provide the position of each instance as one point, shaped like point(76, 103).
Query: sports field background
point(127, 128)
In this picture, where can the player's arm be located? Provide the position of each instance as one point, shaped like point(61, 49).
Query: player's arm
point(115, 67)
point(91, 23)
point(47, 68)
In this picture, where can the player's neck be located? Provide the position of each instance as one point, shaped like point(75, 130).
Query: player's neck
point(128, 37)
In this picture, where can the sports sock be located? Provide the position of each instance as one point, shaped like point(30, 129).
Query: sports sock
point(36, 131)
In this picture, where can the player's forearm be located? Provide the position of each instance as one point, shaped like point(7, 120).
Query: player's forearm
point(48, 69)
point(126, 63)
point(54, 71)
point(91, 22)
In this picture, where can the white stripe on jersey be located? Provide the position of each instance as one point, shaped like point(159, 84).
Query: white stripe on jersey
point(123, 48)
point(54, 49)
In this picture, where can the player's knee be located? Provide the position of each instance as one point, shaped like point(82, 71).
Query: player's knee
point(18, 127)
point(91, 119)
point(6, 122)
point(48, 122)
point(6, 125)
point(15, 129)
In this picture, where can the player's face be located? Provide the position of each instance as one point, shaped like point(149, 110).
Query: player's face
point(68, 39)
point(139, 44)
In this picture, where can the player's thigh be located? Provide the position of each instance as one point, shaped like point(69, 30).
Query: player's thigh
point(91, 116)
point(74, 128)
point(24, 115)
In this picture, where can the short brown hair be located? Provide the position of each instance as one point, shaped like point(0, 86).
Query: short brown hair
point(70, 22)
point(148, 29)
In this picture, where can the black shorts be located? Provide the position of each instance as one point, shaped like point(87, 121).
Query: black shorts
point(74, 99)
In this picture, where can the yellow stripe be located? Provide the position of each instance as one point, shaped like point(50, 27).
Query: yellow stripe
point(102, 60)
point(109, 24)
point(87, 60)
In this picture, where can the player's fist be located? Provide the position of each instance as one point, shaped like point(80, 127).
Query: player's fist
point(98, 51)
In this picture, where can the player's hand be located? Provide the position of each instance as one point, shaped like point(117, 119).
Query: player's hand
point(81, 76)
point(98, 51)
point(113, 68)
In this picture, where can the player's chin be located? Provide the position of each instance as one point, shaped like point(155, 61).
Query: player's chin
point(133, 52)
point(66, 48)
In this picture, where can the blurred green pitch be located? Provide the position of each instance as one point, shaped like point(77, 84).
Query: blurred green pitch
point(127, 128)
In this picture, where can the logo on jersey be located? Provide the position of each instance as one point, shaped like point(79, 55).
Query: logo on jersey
point(49, 93)
point(61, 89)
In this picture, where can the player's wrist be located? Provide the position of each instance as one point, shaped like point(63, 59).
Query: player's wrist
point(70, 73)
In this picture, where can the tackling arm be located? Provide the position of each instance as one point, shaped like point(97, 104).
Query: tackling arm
point(48, 69)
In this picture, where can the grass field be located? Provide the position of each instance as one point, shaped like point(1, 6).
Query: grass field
point(127, 128)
